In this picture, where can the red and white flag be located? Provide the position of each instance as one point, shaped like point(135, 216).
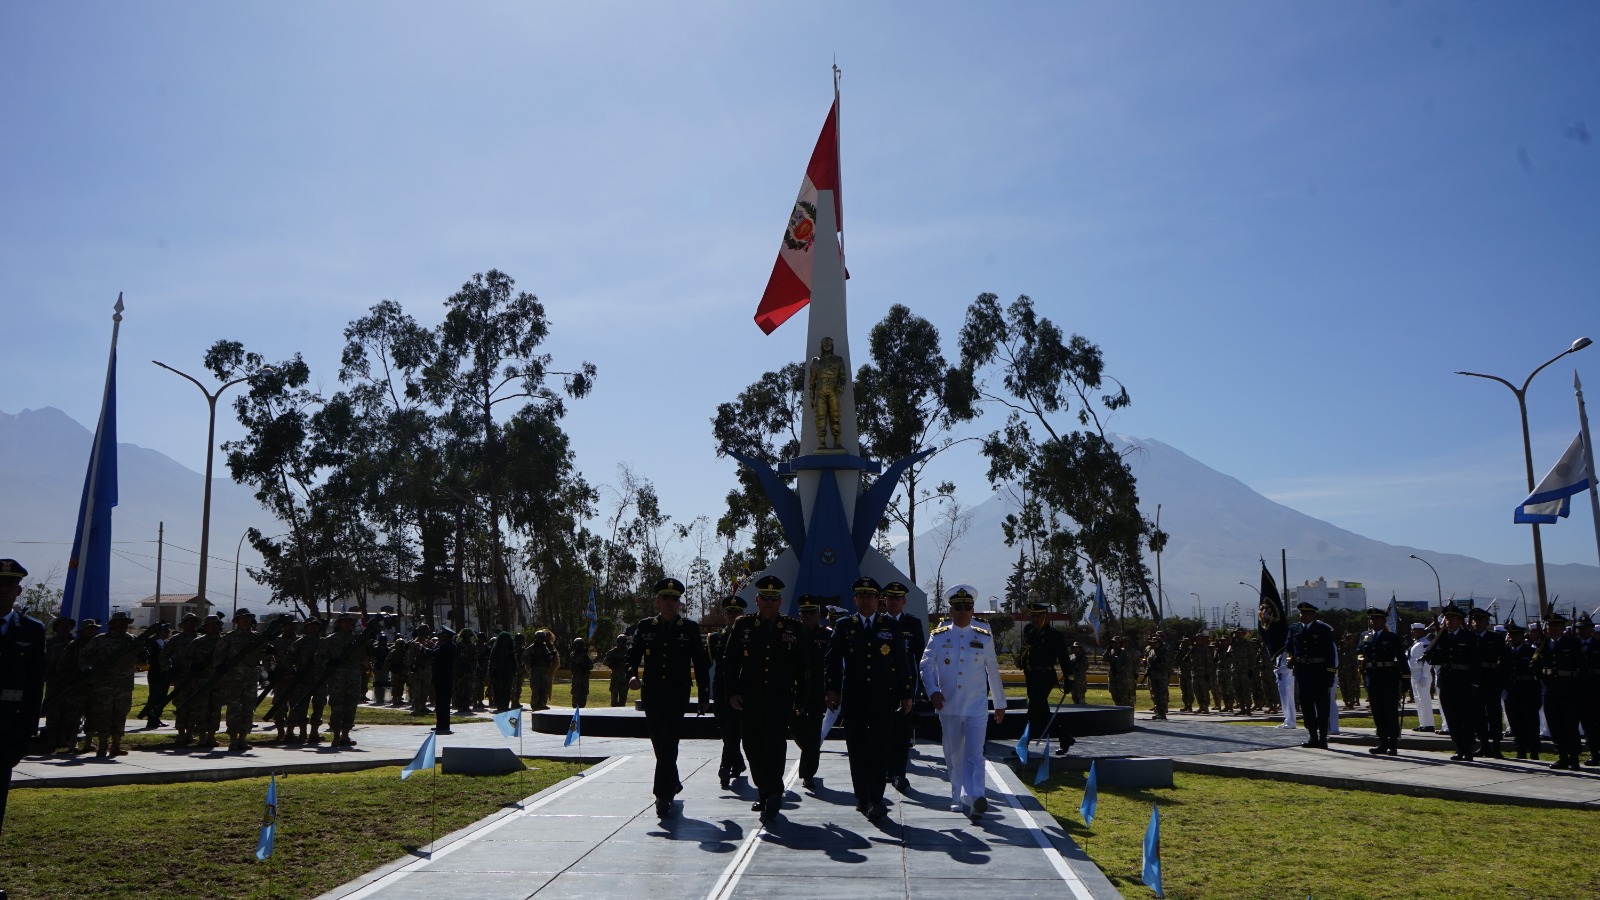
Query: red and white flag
point(789, 288)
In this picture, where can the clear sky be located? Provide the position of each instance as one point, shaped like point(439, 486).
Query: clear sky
point(1285, 224)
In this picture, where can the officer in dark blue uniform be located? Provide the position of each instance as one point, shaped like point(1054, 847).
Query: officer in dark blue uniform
point(869, 676)
point(1311, 651)
point(903, 727)
point(811, 704)
point(21, 676)
point(1589, 687)
point(762, 670)
point(1522, 692)
point(732, 764)
point(1488, 683)
point(1043, 653)
point(1382, 659)
point(1455, 652)
point(1560, 663)
point(666, 649)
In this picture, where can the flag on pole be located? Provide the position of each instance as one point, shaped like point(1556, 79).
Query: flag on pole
point(1552, 499)
point(789, 287)
point(573, 731)
point(88, 589)
point(1022, 744)
point(1152, 852)
point(1043, 775)
point(1091, 797)
point(423, 761)
point(510, 722)
point(1394, 615)
point(1271, 623)
point(269, 820)
point(1099, 611)
point(591, 614)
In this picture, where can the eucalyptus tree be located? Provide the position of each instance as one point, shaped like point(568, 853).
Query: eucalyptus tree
point(762, 422)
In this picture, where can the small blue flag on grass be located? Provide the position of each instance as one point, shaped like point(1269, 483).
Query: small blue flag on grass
point(1043, 774)
point(574, 730)
point(1152, 852)
point(510, 722)
point(423, 760)
point(269, 821)
point(1022, 744)
point(1091, 797)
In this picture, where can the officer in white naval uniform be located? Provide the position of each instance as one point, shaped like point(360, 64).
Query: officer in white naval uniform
point(962, 677)
point(1421, 675)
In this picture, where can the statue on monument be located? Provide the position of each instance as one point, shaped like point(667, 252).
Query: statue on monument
point(828, 380)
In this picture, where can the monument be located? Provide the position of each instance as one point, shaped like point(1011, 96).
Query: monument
point(829, 515)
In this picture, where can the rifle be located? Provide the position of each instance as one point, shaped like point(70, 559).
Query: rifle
point(256, 643)
point(85, 677)
point(278, 708)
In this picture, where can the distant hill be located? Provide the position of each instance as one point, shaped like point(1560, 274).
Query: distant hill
point(1220, 528)
point(45, 453)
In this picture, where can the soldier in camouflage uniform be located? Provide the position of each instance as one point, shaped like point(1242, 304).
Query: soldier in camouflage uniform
point(57, 684)
point(616, 660)
point(342, 657)
point(179, 658)
point(1205, 667)
point(540, 660)
point(282, 677)
point(581, 664)
point(1158, 675)
point(1242, 659)
point(502, 670)
point(1122, 669)
point(1078, 668)
point(204, 655)
point(421, 671)
point(1222, 680)
point(1266, 684)
point(241, 653)
point(305, 718)
point(1181, 659)
point(399, 663)
point(466, 670)
point(109, 661)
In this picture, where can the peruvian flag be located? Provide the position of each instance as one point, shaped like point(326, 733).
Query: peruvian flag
point(789, 288)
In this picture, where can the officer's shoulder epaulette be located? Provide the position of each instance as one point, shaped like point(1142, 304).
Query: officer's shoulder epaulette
point(981, 630)
point(940, 629)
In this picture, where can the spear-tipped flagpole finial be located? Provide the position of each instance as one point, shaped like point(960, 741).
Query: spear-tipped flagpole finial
point(117, 315)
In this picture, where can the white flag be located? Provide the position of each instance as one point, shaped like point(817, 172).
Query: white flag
point(1553, 497)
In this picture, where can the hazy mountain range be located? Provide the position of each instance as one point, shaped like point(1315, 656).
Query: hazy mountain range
point(1219, 528)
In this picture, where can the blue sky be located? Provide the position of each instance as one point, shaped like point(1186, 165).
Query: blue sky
point(1286, 225)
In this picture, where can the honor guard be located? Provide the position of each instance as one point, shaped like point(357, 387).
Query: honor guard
point(811, 705)
point(763, 665)
point(1560, 661)
point(667, 652)
point(1043, 652)
point(1488, 683)
point(727, 716)
point(869, 677)
point(1455, 652)
point(1311, 649)
point(1522, 692)
point(1382, 662)
point(962, 678)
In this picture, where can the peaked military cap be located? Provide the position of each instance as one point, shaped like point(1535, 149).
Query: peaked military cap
point(809, 603)
point(896, 589)
point(1556, 618)
point(1418, 626)
point(120, 615)
point(1584, 621)
point(1037, 607)
point(866, 584)
point(1512, 627)
point(770, 585)
point(188, 617)
point(837, 611)
point(962, 594)
point(734, 601)
point(1374, 611)
point(1450, 609)
point(669, 587)
point(1478, 612)
point(1305, 606)
point(242, 613)
point(10, 568)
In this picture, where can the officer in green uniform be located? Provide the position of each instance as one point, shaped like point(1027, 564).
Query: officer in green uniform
point(811, 704)
point(762, 667)
point(732, 763)
point(666, 650)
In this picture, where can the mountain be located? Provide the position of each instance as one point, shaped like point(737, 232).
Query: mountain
point(1220, 528)
point(45, 453)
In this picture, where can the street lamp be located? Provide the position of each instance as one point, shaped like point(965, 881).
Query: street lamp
point(1521, 594)
point(1196, 604)
point(1527, 456)
point(1437, 587)
point(211, 446)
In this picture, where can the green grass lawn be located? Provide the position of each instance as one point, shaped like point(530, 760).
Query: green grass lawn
point(1244, 839)
point(198, 839)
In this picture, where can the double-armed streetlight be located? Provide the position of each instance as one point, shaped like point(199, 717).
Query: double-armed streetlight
point(1527, 456)
point(1437, 587)
point(211, 446)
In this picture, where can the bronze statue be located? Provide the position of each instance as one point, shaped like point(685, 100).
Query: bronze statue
point(828, 380)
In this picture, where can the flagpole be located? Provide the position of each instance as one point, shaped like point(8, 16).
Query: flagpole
point(72, 605)
point(1588, 459)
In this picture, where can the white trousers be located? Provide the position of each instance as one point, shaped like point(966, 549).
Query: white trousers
point(963, 755)
point(1422, 692)
point(1286, 692)
point(1333, 707)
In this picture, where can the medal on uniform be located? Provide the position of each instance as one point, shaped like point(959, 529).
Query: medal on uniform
point(883, 649)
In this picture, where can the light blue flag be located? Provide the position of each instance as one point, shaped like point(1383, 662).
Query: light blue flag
point(574, 731)
point(1022, 745)
point(269, 821)
point(1091, 797)
point(591, 614)
point(1394, 615)
point(1551, 500)
point(1043, 774)
point(510, 722)
point(423, 761)
point(87, 594)
point(1152, 853)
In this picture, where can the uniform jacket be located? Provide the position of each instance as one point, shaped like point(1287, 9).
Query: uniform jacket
point(764, 663)
point(1382, 658)
point(911, 631)
point(866, 664)
point(21, 686)
point(960, 664)
point(1044, 650)
point(663, 656)
point(1313, 652)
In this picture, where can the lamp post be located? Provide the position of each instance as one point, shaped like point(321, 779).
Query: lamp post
point(1527, 456)
point(1196, 604)
point(1437, 587)
point(211, 446)
point(1521, 594)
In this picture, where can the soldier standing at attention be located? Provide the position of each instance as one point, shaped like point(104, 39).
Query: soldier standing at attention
point(763, 664)
point(1041, 653)
point(443, 654)
point(1455, 652)
point(502, 670)
point(1242, 659)
point(540, 658)
point(1204, 671)
point(58, 682)
point(1185, 673)
point(1589, 688)
point(617, 661)
point(109, 662)
point(421, 663)
point(21, 676)
point(1122, 670)
point(1311, 648)
point(962, 677)
point(869, 676)
point(1222, 676)
point(1488, 683)
point(666, 650)
point(341, 657)
point(1383, 665)
point(1078, 662)
point(1560, 662)
point(399, 663)
point(158, 676)
point(811, 704)
point(1349, 672)
point(1158, 675)
point(903, 732)
point(282, 677)
point(732, 764)
point(581, 664)
point(1522, 693)
point(309, 697)
point(466, 670)
point(236, 686)
point(179, 658)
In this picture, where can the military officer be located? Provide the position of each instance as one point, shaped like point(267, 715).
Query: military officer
point(1455, 652)
point(902, 730)
point(109, 663)
point(1560, 662)
point(1382, 663)
point(1078, 663)
point(57, 683)
point(667, 648)
point(21, 676)
point(1204, 662)
point(762, 667)
point(1158, 675)
point(616, 660)
point(240, 655)
point(340, 659)
point(1043, 652)
point(732, 763)
point(1181, 659)
point(1421, 675)
point(1522, 692)
point(962, 678)
point(309, 693)
point(811, 703)
point(1589, 687)
point(1488, 683)
point(1311, 649)
point(869, 677)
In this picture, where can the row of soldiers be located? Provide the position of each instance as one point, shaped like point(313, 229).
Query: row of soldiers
point(1237, 674)
point(489, 674)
